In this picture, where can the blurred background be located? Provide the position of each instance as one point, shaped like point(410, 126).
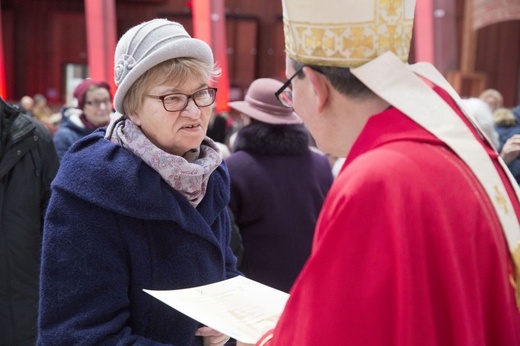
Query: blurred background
point(48, 46)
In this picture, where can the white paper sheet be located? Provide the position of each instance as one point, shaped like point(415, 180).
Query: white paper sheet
point(239, 307)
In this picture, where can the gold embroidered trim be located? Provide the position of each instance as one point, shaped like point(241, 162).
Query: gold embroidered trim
point(515, 277)
point(351, 44)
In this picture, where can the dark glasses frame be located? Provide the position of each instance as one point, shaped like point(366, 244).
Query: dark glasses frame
point(284, 95)
point(210, 90)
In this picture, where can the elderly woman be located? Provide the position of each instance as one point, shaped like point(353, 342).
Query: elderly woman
point(140, 205)
point(93, 111)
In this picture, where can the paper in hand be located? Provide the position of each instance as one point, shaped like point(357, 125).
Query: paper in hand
point(239, 307)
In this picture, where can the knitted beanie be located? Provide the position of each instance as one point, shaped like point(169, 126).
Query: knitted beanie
point(81, 90)
point(149, 44)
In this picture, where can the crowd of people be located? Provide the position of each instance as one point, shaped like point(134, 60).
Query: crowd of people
point(343, 190)
point(93, 110)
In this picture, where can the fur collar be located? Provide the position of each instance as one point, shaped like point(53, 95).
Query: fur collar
point(267, 139)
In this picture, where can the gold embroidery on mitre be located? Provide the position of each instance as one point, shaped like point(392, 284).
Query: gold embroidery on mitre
point(351, 44)
point(312, 41)
point(391, 6)
point(318, 42)
point(501, 199)
point(359, 44)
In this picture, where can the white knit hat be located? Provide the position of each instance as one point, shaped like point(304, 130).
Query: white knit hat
point(346, 33)
point(149, 44)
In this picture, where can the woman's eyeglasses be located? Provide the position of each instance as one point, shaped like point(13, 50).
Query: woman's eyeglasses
point(176, 102)
point(98, 103)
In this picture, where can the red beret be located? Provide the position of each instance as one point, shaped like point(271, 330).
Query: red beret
point(81, 90)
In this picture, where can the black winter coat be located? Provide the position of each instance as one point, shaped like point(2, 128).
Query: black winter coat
point(28, 163)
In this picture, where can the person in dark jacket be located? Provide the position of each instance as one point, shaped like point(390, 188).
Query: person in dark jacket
point(141, 204)
point(278, 185)
point(93, 111)
point(28, 163)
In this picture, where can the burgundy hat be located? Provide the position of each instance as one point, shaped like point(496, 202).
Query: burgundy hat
point(261, 103)
point(81, 90)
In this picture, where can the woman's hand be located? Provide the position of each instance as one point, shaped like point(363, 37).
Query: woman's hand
point(211, 337)
point(511, 149)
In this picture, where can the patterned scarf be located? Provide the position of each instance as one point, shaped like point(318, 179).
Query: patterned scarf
point(188, 174)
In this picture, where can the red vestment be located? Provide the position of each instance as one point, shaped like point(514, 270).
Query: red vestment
point(408, 250)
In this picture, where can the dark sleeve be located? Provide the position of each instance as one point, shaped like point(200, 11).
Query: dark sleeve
point(514, 167)
point(62, 142)
point(236, 239)
point(230, 257)
point(46, 165)
point(50, 165)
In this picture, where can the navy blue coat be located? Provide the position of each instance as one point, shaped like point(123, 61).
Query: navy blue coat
point(114, 228)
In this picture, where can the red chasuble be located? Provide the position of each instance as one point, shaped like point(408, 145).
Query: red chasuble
point(408, 251)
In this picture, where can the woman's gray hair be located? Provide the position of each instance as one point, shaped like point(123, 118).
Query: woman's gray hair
point(177, 70)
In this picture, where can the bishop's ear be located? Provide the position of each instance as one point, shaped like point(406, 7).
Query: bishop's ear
point(320, 85)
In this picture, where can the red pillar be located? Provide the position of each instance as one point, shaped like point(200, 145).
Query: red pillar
point(3, 92)
point(209, 25)
point(423, 31)
point(101, 39)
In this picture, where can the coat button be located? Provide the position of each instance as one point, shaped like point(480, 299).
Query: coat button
point(35, 138)
point(18, 152)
